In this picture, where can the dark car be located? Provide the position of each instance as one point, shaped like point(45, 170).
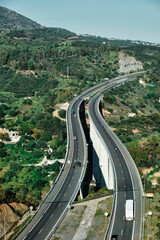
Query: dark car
point(114, 237)
point(79, 164)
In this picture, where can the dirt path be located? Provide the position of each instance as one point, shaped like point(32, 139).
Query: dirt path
point(87, 219)
point(78, 221)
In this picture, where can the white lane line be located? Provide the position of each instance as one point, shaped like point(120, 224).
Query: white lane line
point(65, 194)
point(51, 216)
point(46, 209)
point(24, 237)
point(40, 231)
point(36, 223)
point(72, 177)
point(124, 185)
point(75, 170)
point(59, 204)
point(123, 178)
point(69, 185)
point(121, 231)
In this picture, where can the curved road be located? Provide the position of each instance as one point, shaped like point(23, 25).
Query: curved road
point(61, 196)
point(127, 182)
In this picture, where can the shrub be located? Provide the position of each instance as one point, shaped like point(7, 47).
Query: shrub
point(15, 166)
point(62, 113)
point(8, 175)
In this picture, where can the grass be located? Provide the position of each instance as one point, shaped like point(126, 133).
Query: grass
point(18, 228)
point(100, 222)
point(150, 228)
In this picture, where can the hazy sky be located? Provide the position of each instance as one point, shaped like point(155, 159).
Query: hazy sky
point(124, 19)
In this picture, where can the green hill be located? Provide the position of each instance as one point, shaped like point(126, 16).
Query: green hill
point(12, 20)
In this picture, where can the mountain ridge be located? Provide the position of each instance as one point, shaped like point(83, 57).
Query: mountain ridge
point(12, 20)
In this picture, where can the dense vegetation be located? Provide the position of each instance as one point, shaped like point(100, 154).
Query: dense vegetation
point(32, 118)
point(140, 132)
point(42, 67)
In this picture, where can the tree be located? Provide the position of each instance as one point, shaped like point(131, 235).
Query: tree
point(3, 152)
point(10, 195)
point(3, 136)
point(21, 193)
point(15, 166)
point(129, 130)
point(2, 114)
point(133, 148)
point(2, 194)
point(8, 175)
point(31, 201)
point(27, 102)
point(62, 113)
point(36, 133)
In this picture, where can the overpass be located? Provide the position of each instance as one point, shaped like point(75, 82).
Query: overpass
point(56, 204)
point(113, 167)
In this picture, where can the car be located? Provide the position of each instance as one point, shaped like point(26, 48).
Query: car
point(114, 237)
point(79, 164)
point(115, 148)
point(75, 115)
point(74, 137)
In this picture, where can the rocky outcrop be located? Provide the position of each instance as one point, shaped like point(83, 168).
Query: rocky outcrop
point(128, 63)
point(10, 215)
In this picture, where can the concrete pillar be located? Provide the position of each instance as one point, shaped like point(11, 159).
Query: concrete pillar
point(102, 167)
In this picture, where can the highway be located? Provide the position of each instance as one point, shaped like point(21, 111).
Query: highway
point(53, 209)
point(127, 182)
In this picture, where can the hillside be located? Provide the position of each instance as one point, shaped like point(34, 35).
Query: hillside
point(42, 67)
point(12, 20)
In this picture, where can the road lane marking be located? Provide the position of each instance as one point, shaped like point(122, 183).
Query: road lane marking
point(51, 216)
point(59, 204)
point(40, 231)
point(65, 194)
point(24, 237)
point(69, 185)
point(72, 177)
point(36, 223)
point(46, 209)
point(121, 231)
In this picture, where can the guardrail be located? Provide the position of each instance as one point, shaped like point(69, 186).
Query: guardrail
point(50, 235)
point(115, 185)
point(131, 160)
point(67, 153)
point(59, 175)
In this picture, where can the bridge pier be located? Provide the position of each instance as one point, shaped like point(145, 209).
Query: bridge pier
point(102, 167)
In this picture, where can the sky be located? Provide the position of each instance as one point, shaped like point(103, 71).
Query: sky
point(122, 19)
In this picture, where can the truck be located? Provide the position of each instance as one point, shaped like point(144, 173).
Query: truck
point(129, 209)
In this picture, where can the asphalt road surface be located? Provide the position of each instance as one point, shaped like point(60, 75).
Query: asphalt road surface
point(127, 181)
point(59, 200)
